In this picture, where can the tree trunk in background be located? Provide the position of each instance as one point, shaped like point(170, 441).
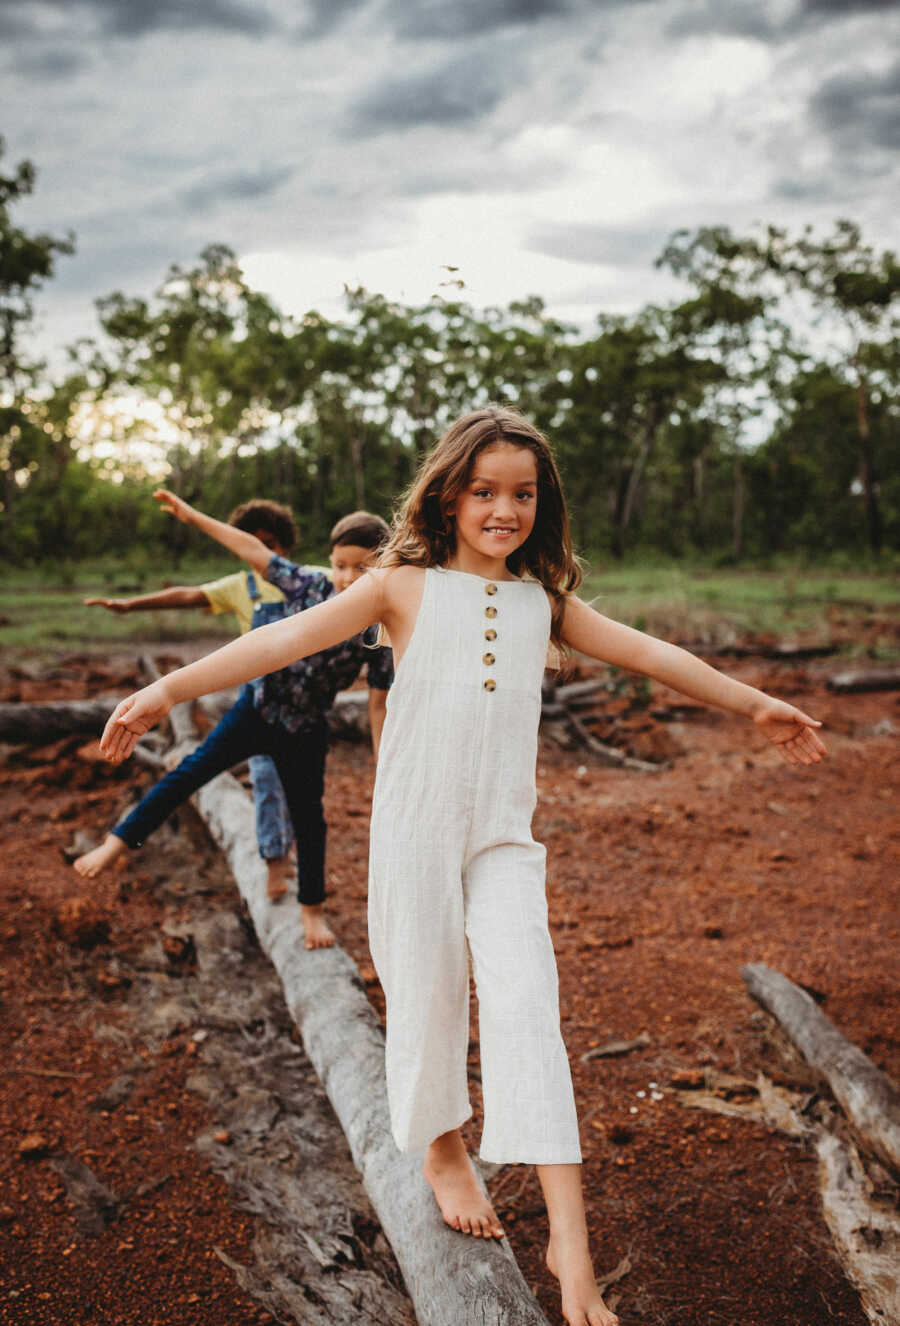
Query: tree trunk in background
point(699, 475)
point(737, 517)
point(9, 511)
point(628, 489)
point(359, 475)
point(867, 473)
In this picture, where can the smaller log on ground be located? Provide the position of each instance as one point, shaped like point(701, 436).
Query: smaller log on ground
point(37, 724)
point(869, 1098)
point(860, 679)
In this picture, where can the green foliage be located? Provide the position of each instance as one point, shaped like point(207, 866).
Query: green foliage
point(210, 387)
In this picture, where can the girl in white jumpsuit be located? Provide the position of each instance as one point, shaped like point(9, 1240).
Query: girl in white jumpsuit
point(452, 860)
point(474, 582)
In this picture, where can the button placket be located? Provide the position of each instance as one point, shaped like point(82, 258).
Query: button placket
point(489, 659)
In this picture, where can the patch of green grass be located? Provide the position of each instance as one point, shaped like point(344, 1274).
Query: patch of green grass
point(715, 607)
point(41, 609)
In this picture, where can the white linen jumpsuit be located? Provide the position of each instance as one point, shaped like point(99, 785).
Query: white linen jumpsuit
point(452, 859)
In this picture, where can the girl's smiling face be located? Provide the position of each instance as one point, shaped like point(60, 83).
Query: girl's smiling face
point(495, 512)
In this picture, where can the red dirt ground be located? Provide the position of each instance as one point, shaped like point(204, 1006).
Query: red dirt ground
point(660, 885)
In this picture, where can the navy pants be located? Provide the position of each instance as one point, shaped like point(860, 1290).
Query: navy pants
point(299, 758)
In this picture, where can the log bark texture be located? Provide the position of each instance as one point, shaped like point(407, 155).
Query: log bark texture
point(871, 679)
point(39, 723)
point(868, 1097)
point(866, 1233)
point(451, 1279)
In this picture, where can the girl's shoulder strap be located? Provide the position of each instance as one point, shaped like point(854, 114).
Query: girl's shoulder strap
point(252, 587)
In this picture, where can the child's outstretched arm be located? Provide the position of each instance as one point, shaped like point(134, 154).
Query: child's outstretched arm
point(789, 729)
point(246, 546)
point(178, 596)
point(264, 650)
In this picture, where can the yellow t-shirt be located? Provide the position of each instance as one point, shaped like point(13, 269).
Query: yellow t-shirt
point(230, 594)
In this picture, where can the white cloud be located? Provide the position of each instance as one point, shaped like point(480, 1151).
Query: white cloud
point(603, 127)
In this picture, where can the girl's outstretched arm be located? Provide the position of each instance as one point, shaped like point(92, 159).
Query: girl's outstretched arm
point(266, 649)
point(789, 729)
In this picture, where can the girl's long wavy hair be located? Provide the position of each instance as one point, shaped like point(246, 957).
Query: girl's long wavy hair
point(424, 532)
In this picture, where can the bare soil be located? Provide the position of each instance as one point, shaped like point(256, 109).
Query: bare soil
point(661, 886)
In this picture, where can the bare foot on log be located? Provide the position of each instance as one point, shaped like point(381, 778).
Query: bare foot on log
point(278, 872)
point(316, 930)
point(90, 865)
point(463, 1205)
point(582, 1302)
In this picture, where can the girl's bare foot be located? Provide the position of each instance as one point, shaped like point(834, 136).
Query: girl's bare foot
point(582, 1302)
point(90, 865)
point(463, 1205)
point(317, 932)
point(278, 872)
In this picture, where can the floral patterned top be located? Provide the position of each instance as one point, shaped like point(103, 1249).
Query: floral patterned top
point(300, 695)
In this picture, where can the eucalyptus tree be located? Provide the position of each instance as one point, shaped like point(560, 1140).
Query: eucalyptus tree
point(26, 261)
point(854, 291)
point(618, 400)
point(732, 320)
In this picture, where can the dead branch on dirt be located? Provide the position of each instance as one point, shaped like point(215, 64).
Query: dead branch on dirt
point(450, 1279)
point(612, 1049)
point(869, 1098)
point(857, 679)
point(608, 755)
point(861, 1214)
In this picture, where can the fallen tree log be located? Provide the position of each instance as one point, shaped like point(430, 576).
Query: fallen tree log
point(859, 679)
point(451, 1279)
point(869, 1098)
point(39, 724)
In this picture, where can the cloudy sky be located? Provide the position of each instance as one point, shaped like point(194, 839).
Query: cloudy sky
point(542, 146)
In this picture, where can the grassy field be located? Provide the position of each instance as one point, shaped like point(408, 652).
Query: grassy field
point(41, 611)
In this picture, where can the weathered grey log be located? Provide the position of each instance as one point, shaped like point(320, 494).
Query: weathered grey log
point(39, 723)
point(451, 1279)
point(866, 1232)
point(579, 690)
point(869, 1098)
point(857, 679)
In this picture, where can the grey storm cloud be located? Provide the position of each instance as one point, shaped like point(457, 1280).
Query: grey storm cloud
point(620, 246)
point(456, 92)
point(860, 109)
point(235, 186)
point(324, 15)
point(733, 18)
point(839, 8)
point(51, 62)
point(464, 18)
point(134, 18)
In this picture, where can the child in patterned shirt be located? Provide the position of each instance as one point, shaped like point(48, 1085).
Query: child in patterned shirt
point(283, 715)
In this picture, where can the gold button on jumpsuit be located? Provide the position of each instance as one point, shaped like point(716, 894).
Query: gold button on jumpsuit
point(452, 861)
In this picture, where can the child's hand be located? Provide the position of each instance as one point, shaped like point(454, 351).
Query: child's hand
point(114, 605)
point(791, 731)
point(131, 718)
point(181, 510)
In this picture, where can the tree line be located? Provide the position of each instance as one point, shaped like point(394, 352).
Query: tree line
point(756, 417)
